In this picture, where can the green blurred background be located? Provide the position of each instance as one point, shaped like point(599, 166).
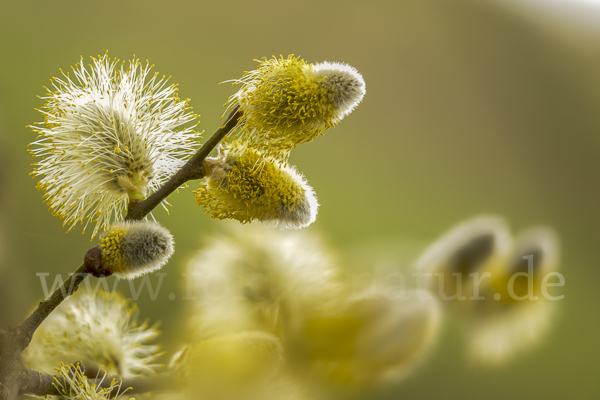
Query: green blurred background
point(472, 106)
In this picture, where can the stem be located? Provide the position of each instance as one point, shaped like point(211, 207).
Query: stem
point(11, 371)
point(192, 169)
point(40, 384)
point(47, 306)
point(16, 379)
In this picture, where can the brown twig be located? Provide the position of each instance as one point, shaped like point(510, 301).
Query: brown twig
point(40, 384)
point(191, 170)
point(11, 371)
point(47, 306)
point(15, 379)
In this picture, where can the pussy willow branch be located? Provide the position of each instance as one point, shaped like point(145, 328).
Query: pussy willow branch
point(193, 169)
point(47, 306)
point(16, 379)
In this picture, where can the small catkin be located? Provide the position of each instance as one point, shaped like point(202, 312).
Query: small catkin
point(471, 247)
point(287, 102)
point(134, 248)
point(373, 340)
point(245, 185)
point(516, 316)
point(497, 280)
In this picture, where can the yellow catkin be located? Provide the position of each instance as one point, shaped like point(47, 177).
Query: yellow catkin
point(245, 185)
point(134, 248)
point(74, 385)
point(287, 102)
point(231, 366)
point(112, 251)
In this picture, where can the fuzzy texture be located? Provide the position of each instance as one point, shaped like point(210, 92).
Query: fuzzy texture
point(248, 365)
point(284, 283)
point(396, 335)
point(239, 358)
point(108, 136)
point(245, 185)
point(74, 385)
point(257, 278)
point(510, 333)
point(500, 329)
point(499, 325)
point(542, 245)
point(372, 340)
point(101, 330)
point(133, 248)
point(343, 83)
point(473, 246)
point(240, 365)
point(287, 102)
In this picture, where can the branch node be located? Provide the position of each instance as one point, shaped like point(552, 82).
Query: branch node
point(93, 263)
